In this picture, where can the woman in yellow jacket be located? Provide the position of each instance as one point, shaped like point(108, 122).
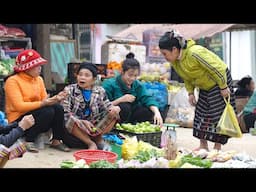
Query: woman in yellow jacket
point(201, 68)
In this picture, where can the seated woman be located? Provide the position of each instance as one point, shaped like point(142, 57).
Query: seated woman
point(84, 108)
point(245, 88)
point(249, 112)
point(25, 94)
point(126, 92)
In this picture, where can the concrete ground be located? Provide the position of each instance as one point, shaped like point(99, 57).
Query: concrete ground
point(51, 158)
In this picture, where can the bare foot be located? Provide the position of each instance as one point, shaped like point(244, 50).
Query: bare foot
point(198, 148)
point(92, 146)
point(217, 146)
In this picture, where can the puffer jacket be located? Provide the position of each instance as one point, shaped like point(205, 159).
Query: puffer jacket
point(199, 67)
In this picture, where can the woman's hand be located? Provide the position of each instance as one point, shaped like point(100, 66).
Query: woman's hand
point(114, 111)
point(54, 99)
point(85, 125)
point(157, 116)
point(26, 122)
point(225, 92)
point(61, 95)
point(128, 98)
point(192, 99)
point(158, 119)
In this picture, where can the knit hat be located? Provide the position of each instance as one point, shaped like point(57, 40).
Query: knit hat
point(28, 59)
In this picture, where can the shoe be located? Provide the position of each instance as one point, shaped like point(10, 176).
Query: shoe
point(61, 147)
point(30, 147)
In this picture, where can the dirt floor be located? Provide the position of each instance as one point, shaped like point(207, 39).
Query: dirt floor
point(51, 158)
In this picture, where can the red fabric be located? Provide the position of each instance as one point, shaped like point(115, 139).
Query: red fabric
point(28, 59)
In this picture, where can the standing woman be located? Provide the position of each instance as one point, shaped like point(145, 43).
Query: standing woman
point(25, 94)
point(201, 68)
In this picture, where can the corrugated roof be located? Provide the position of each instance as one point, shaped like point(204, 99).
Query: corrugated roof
point(194, 31)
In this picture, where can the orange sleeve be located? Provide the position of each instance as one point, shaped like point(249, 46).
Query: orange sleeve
point(15, 99)
point(42, 88)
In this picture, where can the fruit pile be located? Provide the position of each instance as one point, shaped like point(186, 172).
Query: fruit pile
point(143, 127)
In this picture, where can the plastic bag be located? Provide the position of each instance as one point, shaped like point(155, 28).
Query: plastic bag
point(159, 93)
point(180, 110)
point(168, 142)
point(129, 148)
point(17, 149)
point(228, 123)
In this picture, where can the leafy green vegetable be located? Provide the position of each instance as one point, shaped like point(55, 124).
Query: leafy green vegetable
point(206, 163)
point(102, 164)
point(146, 155)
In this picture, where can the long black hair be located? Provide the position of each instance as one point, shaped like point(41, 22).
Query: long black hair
point(245, 81)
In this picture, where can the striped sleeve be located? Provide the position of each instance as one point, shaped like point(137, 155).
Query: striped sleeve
point(213, 65)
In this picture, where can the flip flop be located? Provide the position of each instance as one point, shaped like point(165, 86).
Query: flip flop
point(61, 147)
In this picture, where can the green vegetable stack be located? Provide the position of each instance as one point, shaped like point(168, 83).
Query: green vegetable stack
point(144, 127)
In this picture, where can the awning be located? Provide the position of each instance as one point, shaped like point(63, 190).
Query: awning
point(194, 31)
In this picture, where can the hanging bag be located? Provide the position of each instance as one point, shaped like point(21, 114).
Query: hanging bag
point(228, 123)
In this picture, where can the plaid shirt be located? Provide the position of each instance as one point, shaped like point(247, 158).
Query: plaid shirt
point(74, 105)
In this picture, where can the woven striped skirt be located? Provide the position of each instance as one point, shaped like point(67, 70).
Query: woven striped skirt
point(208, 111)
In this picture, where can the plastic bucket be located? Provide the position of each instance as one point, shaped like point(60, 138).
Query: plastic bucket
point(117, 149)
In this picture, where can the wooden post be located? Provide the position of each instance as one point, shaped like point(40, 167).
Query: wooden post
point(43, 47)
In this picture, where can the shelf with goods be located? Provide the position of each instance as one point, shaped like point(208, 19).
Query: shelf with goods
point(10, 47)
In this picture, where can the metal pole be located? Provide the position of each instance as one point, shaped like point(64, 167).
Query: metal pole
point(230, 50)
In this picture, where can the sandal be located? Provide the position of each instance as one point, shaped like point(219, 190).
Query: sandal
point(30, 147)
point(61, 147)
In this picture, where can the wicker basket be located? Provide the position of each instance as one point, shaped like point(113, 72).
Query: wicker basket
point(153, 138)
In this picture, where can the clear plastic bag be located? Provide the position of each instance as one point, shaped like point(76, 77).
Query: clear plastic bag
point(180, 110)
point(17, 149)
point(228, 123)
point(168, 142)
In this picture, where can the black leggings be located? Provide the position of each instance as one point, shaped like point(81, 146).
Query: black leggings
point(49, 117)
point(138, 114)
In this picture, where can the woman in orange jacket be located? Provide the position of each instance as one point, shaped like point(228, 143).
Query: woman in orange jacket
point(25, 93)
